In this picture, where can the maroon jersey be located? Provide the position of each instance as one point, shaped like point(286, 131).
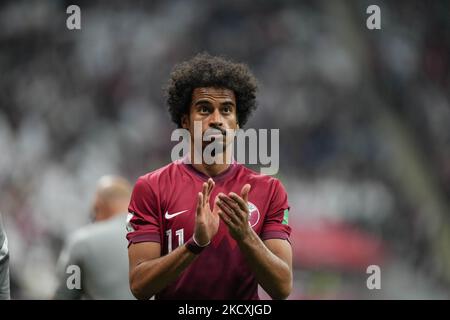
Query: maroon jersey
point(163, 207)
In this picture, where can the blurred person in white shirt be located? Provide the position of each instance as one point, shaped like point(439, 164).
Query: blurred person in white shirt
point(99, 251)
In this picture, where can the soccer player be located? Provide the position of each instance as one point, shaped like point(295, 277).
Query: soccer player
point(209, 231)
point(99, 250)
point(4, 265)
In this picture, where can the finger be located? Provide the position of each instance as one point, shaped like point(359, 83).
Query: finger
point(233, 206)
point(216, 207)
point(204, 192)
point(199, 203)
point(244, 192)
point(210, 186)
point(242, 204)
point(228, 211)
point(226, 220)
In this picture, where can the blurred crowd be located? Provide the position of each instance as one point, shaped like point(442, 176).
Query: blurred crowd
point(363, 116)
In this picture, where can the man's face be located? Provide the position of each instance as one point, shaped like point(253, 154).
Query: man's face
point(214, 108)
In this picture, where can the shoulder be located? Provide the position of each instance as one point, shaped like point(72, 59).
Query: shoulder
point(80, 237)
point(80, 240)
point(76, 246)
point(154, 178)
point(91, 234)
point(259, 179)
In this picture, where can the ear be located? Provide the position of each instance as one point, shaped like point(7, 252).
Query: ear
point(185, 121)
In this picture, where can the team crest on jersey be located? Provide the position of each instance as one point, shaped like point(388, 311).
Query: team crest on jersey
point(253, 216)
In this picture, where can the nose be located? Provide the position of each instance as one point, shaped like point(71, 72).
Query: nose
point(216, 119)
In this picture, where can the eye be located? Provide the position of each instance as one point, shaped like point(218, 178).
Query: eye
point(226, 109)
point(204, 109)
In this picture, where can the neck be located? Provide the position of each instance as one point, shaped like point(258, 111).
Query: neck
point(110, 213)
point(214, 169)
point(211, 170)
point(116, 213)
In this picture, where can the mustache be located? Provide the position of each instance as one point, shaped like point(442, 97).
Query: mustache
point(223, 131)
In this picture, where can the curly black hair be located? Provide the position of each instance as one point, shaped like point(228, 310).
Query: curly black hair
point(205, 70)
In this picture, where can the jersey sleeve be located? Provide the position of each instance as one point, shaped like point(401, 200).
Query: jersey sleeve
point(276, 222)
point(143, 222)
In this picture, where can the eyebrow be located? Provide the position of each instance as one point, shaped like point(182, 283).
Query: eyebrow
point(228, 103)
point(201, 101)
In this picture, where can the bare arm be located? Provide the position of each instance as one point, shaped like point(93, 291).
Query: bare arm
point(149, 272)
point(271, 260)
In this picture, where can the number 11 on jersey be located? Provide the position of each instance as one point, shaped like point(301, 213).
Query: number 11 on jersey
point(179, 233)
